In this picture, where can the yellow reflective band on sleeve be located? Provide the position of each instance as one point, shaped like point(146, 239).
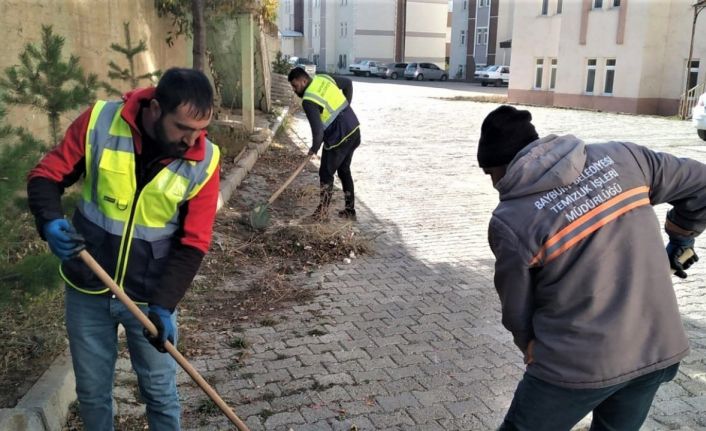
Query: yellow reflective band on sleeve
point(120, 127)
point(215, 159)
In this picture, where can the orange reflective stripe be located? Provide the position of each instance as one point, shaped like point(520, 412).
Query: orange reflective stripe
point(594, 227)
point(573, 226)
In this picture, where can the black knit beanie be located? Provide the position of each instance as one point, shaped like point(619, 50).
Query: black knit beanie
point(504, 132)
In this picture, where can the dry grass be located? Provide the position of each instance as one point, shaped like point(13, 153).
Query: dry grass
point(486, 98)
point(31, 335)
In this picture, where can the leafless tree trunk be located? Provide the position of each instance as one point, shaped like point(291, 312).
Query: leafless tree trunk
point(199, 51)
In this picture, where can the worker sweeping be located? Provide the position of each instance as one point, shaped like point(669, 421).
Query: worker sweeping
point(146, 212)
point(581, 270)
point(326, 101)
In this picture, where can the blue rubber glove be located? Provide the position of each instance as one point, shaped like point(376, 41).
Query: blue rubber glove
point(63, 239)
point(675, 249)
point(162, 319)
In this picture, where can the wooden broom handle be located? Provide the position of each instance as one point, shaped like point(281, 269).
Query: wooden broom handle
point(147, 323)
point(291, 178)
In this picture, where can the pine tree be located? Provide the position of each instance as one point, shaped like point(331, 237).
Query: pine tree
point(43, 80)
point(24, 260)
point(127, 74)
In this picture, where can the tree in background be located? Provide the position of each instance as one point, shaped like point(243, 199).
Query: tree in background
point(280, 64)
point(188, 18)
point(25, 263)
point(42, 80)
point(128, 74)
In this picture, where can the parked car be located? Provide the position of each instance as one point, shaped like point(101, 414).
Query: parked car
point(422, 71)
point(496, 75)
point(479, 71)
point(362, 68)
point(698, 116)
point(391, 70)
point(306, 64)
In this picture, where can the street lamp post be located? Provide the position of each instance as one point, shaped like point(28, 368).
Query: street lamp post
point(698, 7)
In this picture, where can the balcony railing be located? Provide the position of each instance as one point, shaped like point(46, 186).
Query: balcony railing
point(689, 100)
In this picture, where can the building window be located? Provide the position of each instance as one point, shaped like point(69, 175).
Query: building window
point(482, 36)
point(463, 37)
point(545, 7)
point(609, 76)
point(341, 29)
point(598, 4)
point(616, 3)
point(559, 6)
point(694, 73)
point(484, 3)
point(552, 76)
point(465, 4)
point(345, 29)
point(316, 30)
point(590, 75)
point(539, 71)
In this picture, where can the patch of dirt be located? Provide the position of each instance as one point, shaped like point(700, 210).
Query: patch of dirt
point(249, 274)
point(31, 335)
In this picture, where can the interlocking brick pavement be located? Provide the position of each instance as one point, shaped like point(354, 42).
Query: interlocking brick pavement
point(412, 338)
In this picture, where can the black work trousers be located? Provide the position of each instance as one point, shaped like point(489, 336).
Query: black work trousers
point(338, 160)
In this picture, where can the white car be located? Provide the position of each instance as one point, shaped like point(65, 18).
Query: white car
point(496, 75)
point(698, 117)
point(364, 68)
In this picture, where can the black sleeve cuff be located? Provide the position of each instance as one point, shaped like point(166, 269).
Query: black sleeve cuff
point(44, 198)
point(181, 268)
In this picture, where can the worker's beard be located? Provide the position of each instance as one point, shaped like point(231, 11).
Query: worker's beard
point(166, 147)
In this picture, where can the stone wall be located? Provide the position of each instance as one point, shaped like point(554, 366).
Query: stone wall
point(281, 90)
point(89, 28)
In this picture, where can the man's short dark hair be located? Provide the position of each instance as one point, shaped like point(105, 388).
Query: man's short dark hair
point(190, 87)
point(297, 72)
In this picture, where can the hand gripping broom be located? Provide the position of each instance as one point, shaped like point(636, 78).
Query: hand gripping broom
point(147, 323)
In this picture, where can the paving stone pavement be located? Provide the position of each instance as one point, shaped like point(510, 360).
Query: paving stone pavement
point(409, 338)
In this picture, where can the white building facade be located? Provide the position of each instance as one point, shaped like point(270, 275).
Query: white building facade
point(611, 55)
point(336, 33)
point(481, 34)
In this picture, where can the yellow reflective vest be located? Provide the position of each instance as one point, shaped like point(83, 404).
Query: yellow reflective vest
point(129, 230)
point(324, 92)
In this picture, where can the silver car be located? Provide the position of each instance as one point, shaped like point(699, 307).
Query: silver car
point(391, 70)
point(422, 71)
point(304, 63)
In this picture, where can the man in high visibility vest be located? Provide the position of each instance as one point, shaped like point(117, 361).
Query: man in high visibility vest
point(146, 211)
point(326, 102)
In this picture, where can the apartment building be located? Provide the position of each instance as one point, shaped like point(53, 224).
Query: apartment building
point(481, 35)
point(336, 33)
point(290, 21)
point(611, 55)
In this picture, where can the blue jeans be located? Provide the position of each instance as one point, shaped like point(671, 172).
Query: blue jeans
point(92, 325)
point(539, 405)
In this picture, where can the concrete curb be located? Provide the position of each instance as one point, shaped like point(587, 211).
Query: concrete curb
point(45, 406)
point(247, 161)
